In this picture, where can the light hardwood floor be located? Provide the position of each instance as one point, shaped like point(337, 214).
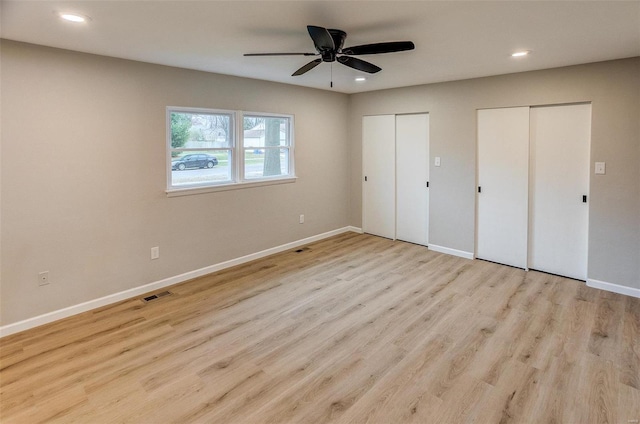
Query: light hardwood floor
point(354, 328)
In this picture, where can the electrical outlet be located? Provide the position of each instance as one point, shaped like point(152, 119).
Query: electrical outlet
point(155, 252)
point(43, 278)
point(302, 218)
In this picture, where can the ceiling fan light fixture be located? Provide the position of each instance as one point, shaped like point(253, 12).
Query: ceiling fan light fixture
point(521, 53)
point(328, 44)
point(74, 17)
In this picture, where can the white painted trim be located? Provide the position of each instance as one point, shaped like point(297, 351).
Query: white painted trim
point(355, 229)
point(615, 288)
point(137, 291)
point(449, 251)
point(175, 192)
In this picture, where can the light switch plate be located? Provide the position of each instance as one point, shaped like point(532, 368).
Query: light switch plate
point(437, 161)
point(600, 168)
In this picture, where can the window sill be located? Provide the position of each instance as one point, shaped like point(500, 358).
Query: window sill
point(176, 192)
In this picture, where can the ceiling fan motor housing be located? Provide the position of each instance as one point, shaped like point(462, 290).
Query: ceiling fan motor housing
point(338, 38)
point(329, 55)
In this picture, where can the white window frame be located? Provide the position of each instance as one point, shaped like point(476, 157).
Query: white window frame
point(237, 151)
point(241, 147)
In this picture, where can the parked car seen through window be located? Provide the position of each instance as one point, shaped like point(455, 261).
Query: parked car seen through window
point(194, 161)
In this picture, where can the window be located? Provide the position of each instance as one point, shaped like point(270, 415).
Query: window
point(221, 149)
point(266, 144)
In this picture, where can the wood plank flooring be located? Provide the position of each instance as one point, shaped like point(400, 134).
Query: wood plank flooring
point(352, 329)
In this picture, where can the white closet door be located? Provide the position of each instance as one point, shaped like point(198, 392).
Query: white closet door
point(503, 175)
point(560, 141)
point(412, 175)
point(378, 165)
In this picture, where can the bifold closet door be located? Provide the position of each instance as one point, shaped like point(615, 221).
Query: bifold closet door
point(503, 179)
point(378, 165)
point(412, 175)
point(560, 142)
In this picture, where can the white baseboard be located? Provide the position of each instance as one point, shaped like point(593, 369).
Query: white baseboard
point(355, 229)
point(449, 251)
point(137, 291)
point(615, 288)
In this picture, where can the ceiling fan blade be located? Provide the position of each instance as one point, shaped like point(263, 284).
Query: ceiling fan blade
point(358, 64)
point(322, 39)
point(394, 46)
point(306, 68)
point(280, 54)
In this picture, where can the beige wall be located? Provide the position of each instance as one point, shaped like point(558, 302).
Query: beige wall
point(83, 176)
point(614, 90)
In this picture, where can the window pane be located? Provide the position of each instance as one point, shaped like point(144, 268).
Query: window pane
point(200, 167)
point(264, 131)
point(200, 130)
point(259, 163)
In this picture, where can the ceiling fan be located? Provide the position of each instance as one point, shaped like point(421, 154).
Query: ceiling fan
point(328, 44)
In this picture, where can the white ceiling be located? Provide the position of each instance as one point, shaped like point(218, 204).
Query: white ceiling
point(454, 39)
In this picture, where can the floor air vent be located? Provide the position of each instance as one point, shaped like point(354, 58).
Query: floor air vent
point(156, 296)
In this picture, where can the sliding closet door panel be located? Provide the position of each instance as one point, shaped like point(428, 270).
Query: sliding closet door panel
point(503, 174)
point(412, 174)
point(378, 164)
point(560, 140)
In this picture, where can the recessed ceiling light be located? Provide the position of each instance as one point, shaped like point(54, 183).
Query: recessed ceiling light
point(520, 54)
point(360, 79)
point(74, 17)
